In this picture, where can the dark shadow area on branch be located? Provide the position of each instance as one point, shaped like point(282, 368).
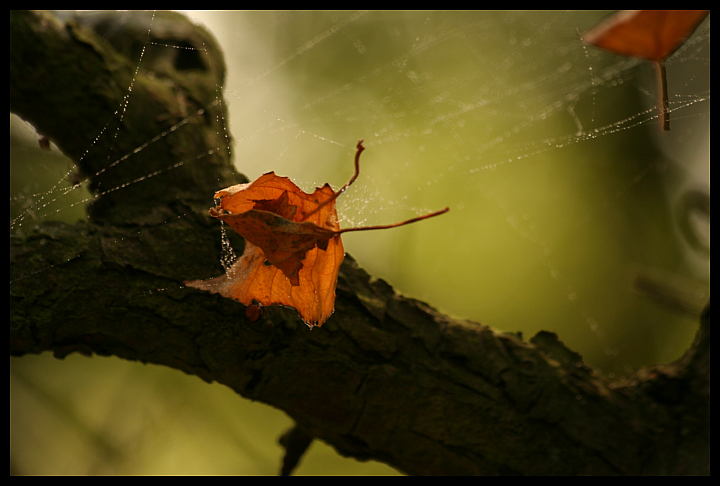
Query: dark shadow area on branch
point(387, 378)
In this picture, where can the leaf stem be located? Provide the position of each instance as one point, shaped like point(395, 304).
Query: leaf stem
point(395, 225)
point(662, 93)
point(359, 150)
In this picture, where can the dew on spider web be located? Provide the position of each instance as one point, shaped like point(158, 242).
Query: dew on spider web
point(546, 151)
point(228, 256)
point(525, 132)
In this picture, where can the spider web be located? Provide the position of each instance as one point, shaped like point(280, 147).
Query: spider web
point(570, 210)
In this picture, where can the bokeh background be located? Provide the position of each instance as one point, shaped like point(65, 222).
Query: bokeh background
point(570, 211)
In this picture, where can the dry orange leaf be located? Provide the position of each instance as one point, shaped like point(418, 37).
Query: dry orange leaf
point(648, 34)
point(293, 248)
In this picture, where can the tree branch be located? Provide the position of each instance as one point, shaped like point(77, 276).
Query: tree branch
point(387, 377)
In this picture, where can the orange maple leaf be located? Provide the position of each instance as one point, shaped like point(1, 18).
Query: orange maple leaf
point(647, 34)
point(293, 248)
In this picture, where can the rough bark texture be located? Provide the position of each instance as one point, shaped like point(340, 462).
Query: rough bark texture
point(387, 377)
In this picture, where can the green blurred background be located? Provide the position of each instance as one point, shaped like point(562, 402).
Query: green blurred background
point(562, 193)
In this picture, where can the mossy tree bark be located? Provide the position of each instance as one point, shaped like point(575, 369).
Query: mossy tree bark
point(386, 378)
